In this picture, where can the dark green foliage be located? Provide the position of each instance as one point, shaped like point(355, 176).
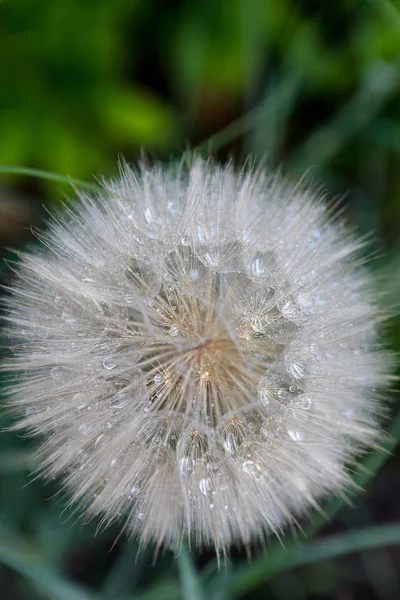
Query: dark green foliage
point(310, 85)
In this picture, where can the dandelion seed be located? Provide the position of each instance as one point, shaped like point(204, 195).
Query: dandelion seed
point(192, 342)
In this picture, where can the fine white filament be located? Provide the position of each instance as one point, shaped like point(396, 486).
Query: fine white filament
point(197, 347)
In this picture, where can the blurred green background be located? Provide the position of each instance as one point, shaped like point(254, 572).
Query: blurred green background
point(313, 86)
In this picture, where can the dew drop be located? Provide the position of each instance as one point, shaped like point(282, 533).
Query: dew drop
point(292, 389)
point(56, 372)
point(67, 316)
point(257, 325)
point(84, 429)
point(297, 370)
point(174, 331)
point(211, 466)
point(205, 486)
point(231, 444)
point(148, 215)
point(158, 378)
point(205, 376)
point(252, 468)
point(186, 465)
point(100, 440)
point(260, 265)
point(120, 400)
point(304, 403)
point(185, 241)
point(194, 274)
point(212, 506)
point(282, 394)
point(295, 435)
point(141, 516)
point(349, 414)
point(300, 483)
point(108, 363)
point(80, 400)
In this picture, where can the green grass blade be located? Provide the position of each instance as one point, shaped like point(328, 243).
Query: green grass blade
point(189, 578)
point(24, 559)
point(379, 86)
point(47, 175)
point(162, 588)
point(357, 540)
point(125, 572)
point(323, 549)
point(252, 118)
point(388, 11)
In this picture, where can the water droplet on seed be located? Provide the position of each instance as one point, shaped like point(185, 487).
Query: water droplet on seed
point(56, 372)
point(186, 465)
point(231, 444)
point(295, 435)
point(108, 363)
point(100, 440)
point(158, 378)
point(282, 394)
point(174, 331)
point(120, 400)
point(205, 486)
point(67, 316)
point(297, 370)
point(252, 468)
point(185, 241)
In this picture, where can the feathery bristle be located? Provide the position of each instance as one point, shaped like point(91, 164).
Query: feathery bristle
point(199, 352)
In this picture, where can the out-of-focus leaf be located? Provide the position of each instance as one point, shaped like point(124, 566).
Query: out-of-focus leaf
point(138, 116)
point(245, 579)
point(286, 89)
point(25, 559)
point(125, 572)
point(380, 84)
point(50, 176)
point(190, 579)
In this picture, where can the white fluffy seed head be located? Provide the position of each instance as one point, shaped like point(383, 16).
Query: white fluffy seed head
point(198, 349)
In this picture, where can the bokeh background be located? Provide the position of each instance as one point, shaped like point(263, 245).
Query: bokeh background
point(312, 86)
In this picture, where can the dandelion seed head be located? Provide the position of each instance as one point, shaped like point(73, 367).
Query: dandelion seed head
point(199, 352)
